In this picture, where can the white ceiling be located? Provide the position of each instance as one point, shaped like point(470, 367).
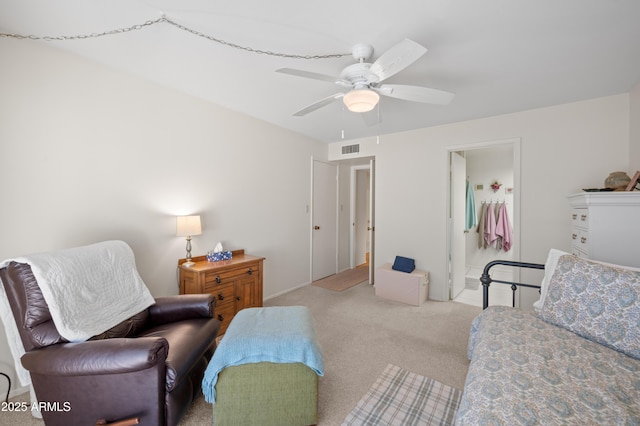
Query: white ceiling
point(498, 56)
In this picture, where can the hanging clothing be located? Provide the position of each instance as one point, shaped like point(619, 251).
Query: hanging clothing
point(471, 217)
point(490, 226)
point(482, 225)
point(503, 228)
point(498, 243)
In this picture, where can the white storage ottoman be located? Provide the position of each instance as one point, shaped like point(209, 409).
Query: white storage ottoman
point(411, 288)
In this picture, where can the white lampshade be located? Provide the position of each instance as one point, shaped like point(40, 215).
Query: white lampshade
point(361, 100)
point(188, 226)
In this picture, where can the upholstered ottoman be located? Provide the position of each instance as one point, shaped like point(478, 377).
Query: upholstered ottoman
point(265, 370)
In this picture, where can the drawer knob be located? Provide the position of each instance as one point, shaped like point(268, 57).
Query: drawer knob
point(249, 271)
point(574, 236)
point(220, 317)
point(220, 296)
point(574, 216)
point(218, 279)
point(583, 240)
point(238, 298)
point(583, 217)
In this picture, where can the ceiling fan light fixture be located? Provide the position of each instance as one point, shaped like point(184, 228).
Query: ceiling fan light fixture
point(361, 100)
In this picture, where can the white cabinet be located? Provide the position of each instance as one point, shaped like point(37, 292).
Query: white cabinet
point(605, 226)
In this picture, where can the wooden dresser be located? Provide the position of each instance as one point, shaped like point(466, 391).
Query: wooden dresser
point(236, 283)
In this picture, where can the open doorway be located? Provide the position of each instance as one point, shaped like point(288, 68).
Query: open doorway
point(362, 217)
point(361, 222)
point(473, 169)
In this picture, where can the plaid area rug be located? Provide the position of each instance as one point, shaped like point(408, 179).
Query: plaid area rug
point(402, 398)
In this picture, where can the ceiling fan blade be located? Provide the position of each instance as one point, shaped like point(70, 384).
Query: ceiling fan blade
point(317, 105)
point(416, 94)
point(397, 58)
point(309, 74)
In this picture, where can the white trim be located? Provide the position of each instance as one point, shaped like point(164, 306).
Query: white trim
point(311, 192)
point(352, 212)
point(289, 290)
point(516, 144)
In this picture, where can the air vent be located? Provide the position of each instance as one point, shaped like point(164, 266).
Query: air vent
point(350, 149)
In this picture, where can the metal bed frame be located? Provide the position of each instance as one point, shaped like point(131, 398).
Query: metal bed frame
point(486, 279)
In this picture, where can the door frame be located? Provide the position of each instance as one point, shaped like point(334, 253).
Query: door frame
point(516, 222)
point(352, 212)
point(454, 236)
point(370, 166)
point(311, 218)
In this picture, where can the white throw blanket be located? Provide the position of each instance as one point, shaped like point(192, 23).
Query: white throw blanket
point(88, 289)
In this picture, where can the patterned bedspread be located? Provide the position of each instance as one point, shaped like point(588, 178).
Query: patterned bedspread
point(525, 371)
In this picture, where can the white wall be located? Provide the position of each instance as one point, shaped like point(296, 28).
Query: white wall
point(88, 153)
point(634, 131)
point(564, 148)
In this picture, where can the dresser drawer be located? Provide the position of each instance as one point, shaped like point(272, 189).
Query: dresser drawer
point(224, 293)
point(235, 283)
point(577, 252)
point(225, 314)
point(580, 218)
point(223, 277)
point(580, 239)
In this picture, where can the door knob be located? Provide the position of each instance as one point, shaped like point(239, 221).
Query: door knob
point(316, 227)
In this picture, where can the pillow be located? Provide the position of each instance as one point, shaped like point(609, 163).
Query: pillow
point(549, 267)
point(600, 302)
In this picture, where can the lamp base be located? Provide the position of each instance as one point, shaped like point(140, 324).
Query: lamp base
point(188, 264)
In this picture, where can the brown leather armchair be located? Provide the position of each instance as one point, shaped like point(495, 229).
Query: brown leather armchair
point(148, 367)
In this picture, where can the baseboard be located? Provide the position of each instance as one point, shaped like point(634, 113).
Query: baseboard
point(286, 291)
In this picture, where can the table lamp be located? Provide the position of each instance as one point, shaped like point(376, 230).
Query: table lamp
point(187, 226)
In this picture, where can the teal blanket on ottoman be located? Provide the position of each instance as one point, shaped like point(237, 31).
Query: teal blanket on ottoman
point(283, 334)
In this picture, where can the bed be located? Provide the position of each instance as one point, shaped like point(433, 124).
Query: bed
point(575, 359)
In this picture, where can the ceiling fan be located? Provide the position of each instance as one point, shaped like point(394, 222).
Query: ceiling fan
point(364, 79)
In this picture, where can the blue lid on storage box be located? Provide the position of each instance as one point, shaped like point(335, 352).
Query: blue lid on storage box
point(404, 264)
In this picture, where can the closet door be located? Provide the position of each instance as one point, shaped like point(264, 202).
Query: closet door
point(324, 221)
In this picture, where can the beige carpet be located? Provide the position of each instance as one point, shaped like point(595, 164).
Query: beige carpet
point(344, 280)
point(360, 335)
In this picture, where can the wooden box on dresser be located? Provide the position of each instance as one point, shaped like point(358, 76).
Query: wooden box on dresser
point(605, 226)
point(236, 283)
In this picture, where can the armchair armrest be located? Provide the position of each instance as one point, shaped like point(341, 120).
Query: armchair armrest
point(94, 357)
point(177, 308)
